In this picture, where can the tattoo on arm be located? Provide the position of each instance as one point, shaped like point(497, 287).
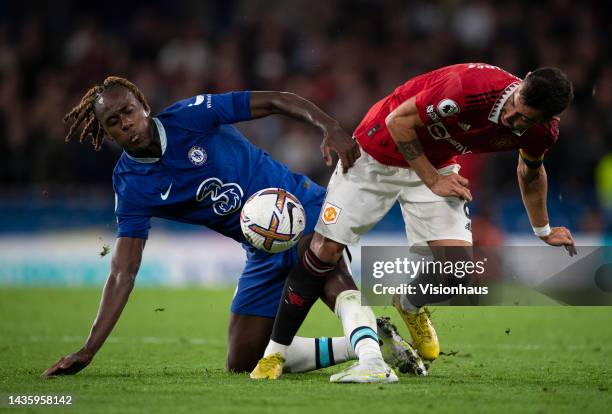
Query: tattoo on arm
point(410, 149)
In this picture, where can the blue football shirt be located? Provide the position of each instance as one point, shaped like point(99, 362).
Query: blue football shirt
point(207, 170)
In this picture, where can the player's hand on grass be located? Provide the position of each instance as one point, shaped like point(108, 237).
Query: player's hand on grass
point(561, 236)
point(452, 185)
point(70, 364)
point(347, 149)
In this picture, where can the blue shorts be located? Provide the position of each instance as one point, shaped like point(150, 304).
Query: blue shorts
point(261, 284)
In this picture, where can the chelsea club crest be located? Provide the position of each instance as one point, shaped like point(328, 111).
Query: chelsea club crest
point(197, 156)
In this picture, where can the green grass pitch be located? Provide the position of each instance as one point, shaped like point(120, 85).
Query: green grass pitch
point(514, 359)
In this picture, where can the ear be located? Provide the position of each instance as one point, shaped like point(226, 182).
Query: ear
point(107, 135)
point(146, 113)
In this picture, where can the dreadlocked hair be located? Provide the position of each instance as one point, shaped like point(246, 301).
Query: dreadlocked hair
point(84, 111)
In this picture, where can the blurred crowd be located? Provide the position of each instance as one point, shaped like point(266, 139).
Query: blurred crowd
point(342, 55)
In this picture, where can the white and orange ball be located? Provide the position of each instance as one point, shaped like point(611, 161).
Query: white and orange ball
point(273, 220)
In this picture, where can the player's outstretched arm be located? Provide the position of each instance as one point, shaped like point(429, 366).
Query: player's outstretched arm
point(533, 183)
point(334, 137)
point(120, 282)
point(401, 123)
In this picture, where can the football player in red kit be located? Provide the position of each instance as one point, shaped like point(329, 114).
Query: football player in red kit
point(408, 144)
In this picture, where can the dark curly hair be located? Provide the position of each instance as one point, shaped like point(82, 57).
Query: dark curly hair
point(84, 111)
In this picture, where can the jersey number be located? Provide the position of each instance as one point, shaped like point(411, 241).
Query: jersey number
point(225, 198)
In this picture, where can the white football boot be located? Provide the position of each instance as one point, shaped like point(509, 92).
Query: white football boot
point(370, 371)
point(396, 351)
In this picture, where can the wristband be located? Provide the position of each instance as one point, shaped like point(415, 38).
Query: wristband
point(543, 231)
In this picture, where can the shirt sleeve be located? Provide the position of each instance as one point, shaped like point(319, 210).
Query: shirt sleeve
point(538, 139)
point(132, 220)
point(440, 99)
point(207, 111)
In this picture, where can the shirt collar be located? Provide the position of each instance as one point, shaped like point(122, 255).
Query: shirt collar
point(497, 107)
point(162, 140)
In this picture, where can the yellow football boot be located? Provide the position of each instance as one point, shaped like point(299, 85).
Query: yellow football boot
point(270, 367)
point(421, 330)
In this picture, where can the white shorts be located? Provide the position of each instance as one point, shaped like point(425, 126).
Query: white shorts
point(359, 199)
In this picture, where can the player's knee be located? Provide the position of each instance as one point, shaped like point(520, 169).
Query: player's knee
point(325, 249)
point(236, 363)
point(304, 243)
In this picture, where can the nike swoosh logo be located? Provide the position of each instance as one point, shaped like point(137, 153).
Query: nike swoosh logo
point(290, 207)
point(165, 195)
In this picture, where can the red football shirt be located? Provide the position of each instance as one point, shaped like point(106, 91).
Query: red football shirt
point(460, 106)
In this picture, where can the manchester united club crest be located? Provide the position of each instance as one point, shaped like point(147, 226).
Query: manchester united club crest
point(504, 143)
point(330, 213)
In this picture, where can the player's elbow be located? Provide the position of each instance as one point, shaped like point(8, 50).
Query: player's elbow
point(399, 122)
point(391, 120)
point(283, 100)
point(270, 102)
point(522, 172)
point(287, 96)
point(393, 123)
point(527, 174)
point(520, 169)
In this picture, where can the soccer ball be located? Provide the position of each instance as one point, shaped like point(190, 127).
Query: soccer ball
point(272, 220)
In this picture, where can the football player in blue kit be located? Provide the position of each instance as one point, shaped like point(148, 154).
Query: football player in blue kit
point(188, 164)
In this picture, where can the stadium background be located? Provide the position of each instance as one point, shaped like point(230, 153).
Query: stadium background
point(167, 352)
point(56, 200)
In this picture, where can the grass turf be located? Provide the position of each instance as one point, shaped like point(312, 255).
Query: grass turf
point(167, 355)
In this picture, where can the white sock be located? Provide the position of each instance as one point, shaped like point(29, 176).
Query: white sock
point(307, 354)
point(274, 347)
point(407, 305)
point(359, 325)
